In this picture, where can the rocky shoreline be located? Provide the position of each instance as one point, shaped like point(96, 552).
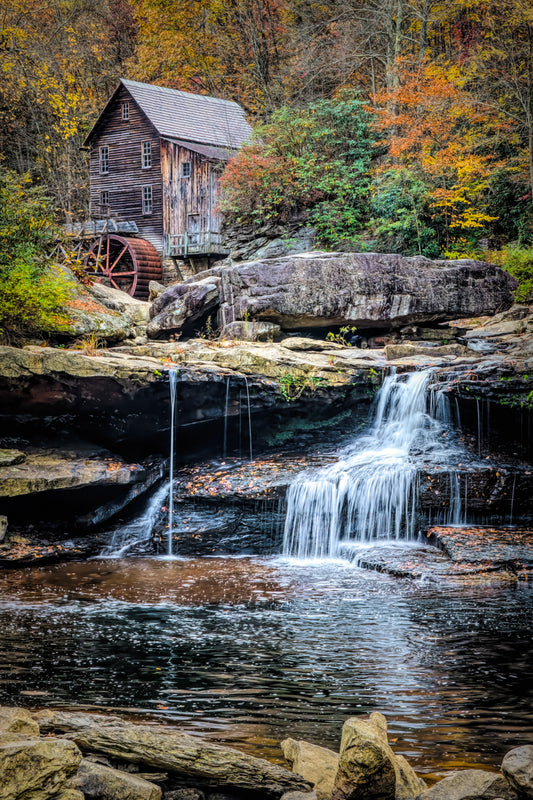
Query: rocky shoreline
point(60, 755)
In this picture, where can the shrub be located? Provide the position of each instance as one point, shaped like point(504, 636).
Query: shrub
point(32, 290)
point(314, 160)
point(518, 261)
point(401, 220)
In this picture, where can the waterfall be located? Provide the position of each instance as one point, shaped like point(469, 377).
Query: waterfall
point(172, 376)
point(372, 490)
point(137, 531)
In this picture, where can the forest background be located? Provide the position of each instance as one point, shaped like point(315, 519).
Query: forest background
point(388, 125)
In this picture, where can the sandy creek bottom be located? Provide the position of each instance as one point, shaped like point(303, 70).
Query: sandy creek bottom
point(250, 650)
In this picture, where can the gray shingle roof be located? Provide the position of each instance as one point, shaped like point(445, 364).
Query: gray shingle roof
point(190, 117)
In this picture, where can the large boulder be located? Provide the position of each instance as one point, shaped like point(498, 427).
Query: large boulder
point(317, 764)
point(368, 768)
point(183, 304)
point(368, 290)
point(517, 766)
point(470, 784)
point(33, 768)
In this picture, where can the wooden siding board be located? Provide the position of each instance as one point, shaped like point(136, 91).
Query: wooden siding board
point(188, 202)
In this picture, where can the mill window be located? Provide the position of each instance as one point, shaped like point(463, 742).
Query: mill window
point(147, 200)
point(104, 160)
point(186, 169)
point(146, 154)
point(125, 111)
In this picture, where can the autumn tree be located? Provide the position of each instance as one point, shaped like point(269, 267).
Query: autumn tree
point(443, 137)
point(229, 49)
point(59, 61)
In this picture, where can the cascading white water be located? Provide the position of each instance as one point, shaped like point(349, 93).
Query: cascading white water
point(137, 531)
point(372, 491)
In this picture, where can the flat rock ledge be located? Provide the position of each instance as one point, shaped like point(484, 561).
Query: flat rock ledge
point(60, 755)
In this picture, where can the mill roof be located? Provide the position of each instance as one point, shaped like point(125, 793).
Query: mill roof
point(187, 117)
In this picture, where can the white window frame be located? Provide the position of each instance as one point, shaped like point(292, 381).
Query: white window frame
point(146, 154)
point(147, 200)
point(103, 159)
point(186, 169)
point(126, 112)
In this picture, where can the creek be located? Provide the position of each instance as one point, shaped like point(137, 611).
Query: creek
point(251, 649)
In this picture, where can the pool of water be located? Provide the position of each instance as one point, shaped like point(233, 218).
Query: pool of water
point(248, 651)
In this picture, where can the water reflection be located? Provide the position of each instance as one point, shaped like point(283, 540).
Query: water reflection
point(252, 650)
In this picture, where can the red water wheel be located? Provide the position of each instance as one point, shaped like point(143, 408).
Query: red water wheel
point(124, 263)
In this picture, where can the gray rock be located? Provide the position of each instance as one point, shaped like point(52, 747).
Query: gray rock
point(185, 794)
point(98, 782)
point(366, 769)
point(138, 311)
point(69, 794)
point(251, 331)
point(183, 303)
point(63, 468)
point(470, 784)
point(35, 769)
point(3, 527)
point(362, 289)
point(517, 766)
point(395, 351)
point(155, 289)
point(302, 344)
point(317, 764)
point(300, 796)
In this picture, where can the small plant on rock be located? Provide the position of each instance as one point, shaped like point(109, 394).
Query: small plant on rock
point(341, 336)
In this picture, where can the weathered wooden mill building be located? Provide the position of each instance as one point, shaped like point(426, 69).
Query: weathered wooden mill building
point(156, 156)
